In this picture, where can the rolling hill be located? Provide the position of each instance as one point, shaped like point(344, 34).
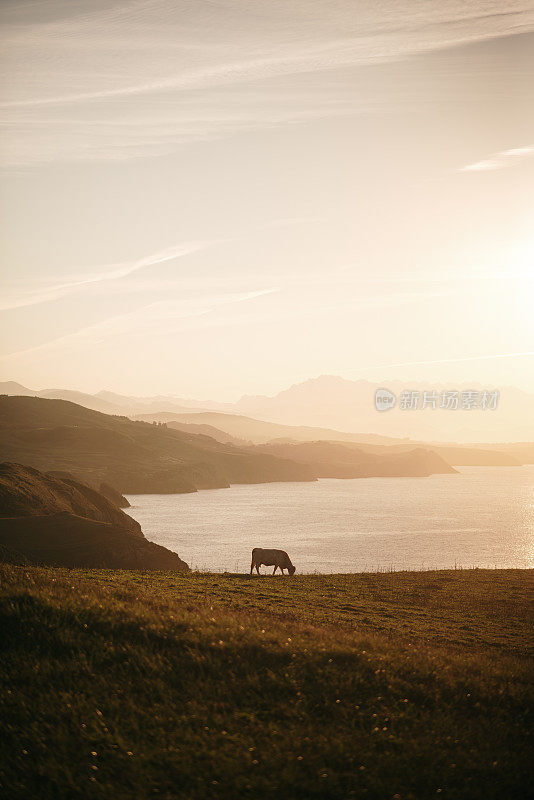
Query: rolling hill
point(339, 460)
point(220, 426)
point(260, 431)
point(133, 457)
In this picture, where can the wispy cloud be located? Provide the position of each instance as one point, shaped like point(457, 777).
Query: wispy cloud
point(146, 77)
point(154, 319)
point(108, 272)
point(505, 158)
point(304, 37)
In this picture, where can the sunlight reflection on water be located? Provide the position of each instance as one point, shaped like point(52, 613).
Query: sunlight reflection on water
point(482, 517)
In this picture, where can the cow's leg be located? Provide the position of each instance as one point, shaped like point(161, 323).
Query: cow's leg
point(258, 569)
point(274, 570)
point(252, 566)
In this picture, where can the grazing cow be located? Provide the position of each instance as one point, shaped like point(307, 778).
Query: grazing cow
point(277, 558)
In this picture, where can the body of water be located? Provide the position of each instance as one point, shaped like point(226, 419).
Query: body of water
point(481, 517)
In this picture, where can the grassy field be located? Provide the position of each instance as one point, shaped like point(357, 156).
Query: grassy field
point(167, 685)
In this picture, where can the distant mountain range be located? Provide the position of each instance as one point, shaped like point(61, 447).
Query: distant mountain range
point(106, 402)
point(243, 431)
point(332, 403)
point(135, 457)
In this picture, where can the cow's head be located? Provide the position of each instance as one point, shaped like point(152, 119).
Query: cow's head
point(291, 569)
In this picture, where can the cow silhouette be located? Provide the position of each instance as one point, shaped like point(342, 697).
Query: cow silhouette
point(277, 558)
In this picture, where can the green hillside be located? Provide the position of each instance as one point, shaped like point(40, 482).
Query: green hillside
point(190, 686)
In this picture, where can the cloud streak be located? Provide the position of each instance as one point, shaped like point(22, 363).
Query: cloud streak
point(161, 318)
point(109, 272)
point(174, 65)
point(500, 160)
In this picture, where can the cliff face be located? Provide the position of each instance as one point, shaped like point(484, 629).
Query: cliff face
point(65, 540)
point(25, 491)
point(112, 494)
point(60, 522)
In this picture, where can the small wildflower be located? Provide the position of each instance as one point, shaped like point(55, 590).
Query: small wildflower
point(254, 760)
point(299, 758)
point(94, 753)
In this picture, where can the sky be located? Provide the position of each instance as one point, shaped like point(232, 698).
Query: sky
point(213, 198)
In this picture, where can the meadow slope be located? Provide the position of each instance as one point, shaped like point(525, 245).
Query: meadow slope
point(137, 685)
